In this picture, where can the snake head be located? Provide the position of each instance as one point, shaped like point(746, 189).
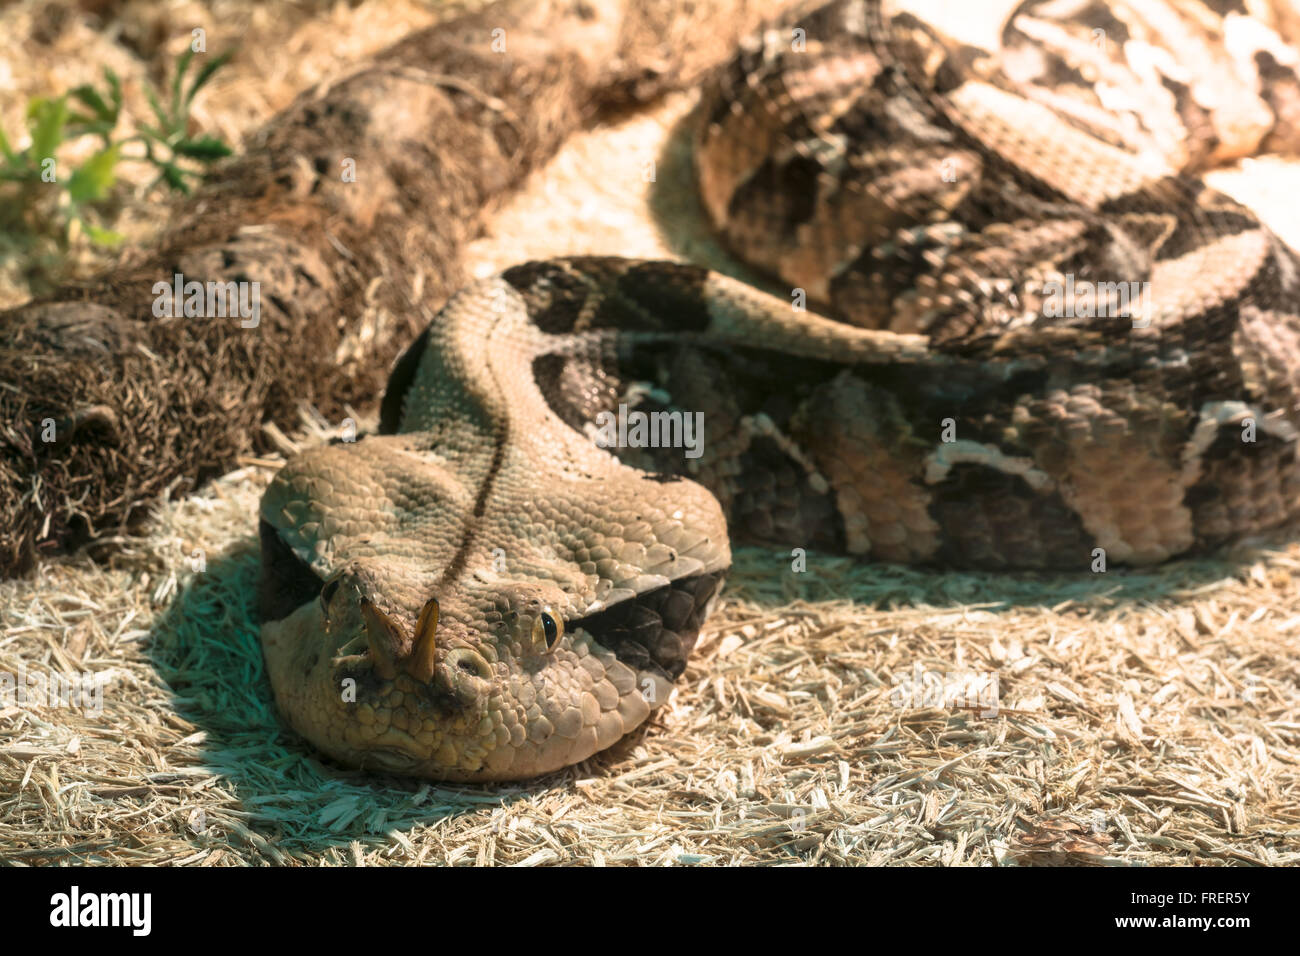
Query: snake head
point(493, 679)
point(423, 617)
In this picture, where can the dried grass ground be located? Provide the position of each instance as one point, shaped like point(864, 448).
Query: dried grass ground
point(1143, 718)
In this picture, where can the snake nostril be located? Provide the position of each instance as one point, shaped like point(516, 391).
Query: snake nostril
point(452, 684)
point(470, 662)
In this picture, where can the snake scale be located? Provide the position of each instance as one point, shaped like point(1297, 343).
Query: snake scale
point(1019, 332)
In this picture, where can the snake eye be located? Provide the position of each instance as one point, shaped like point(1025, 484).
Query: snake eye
point(546, 632)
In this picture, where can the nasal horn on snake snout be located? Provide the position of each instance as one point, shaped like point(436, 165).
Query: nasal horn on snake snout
point(388, 645)
point(384, 636)
point(420, 664)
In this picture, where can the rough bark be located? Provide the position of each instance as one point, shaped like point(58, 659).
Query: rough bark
point(349, 272)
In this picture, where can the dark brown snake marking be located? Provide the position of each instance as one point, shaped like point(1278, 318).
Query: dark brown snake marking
point(484, 593)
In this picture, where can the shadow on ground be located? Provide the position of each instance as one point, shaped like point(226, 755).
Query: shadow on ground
point(770, 578)
point(293, 804)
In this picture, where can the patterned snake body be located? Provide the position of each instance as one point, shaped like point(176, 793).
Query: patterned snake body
point(1052, 343)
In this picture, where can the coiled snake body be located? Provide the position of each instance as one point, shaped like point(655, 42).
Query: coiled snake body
point(1051, 343)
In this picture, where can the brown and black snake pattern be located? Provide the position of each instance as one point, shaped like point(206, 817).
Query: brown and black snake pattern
point(1050, 343)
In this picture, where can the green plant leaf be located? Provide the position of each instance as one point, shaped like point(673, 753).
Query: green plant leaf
point(205, 73)
point(164, 123)
point(88, 95)
point(205, 148)
point(182, 64)
point(81, 125)
point(114, 90)
point(8, 151)
point(174, 176)
point(102, 237)
point(45, 121)
point(93, 178)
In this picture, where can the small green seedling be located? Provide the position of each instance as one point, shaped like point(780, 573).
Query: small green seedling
point(39, 201)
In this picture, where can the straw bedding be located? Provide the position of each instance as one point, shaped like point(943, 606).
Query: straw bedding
point(833, 715)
